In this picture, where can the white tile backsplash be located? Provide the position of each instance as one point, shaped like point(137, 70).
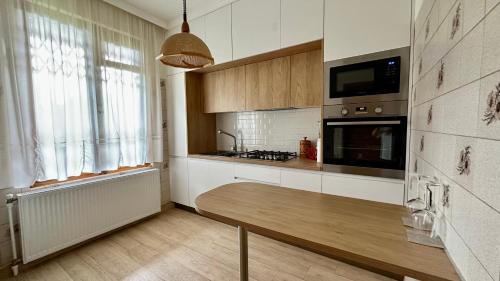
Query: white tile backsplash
point(471, 58)
point(270, 130)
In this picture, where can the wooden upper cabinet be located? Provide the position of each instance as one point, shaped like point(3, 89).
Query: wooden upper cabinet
point(224, 90)
point(307, 79)
point(268, 84)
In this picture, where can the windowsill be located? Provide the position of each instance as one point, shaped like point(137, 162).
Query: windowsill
point(90, 177)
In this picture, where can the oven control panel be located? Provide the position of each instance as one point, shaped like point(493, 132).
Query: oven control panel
point(393, 108)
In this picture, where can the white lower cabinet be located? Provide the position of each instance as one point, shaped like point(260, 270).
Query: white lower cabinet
point(205, 175)
point(367, 188)
point(255, 173)
point(178, 168)
point(310, 181)
point(190, 177)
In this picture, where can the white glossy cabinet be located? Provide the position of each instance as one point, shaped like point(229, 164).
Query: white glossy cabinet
point(176, 115)
point(257, 173)
point(301, 21)
point(205, 175)
point(255, 27)
point(197, 27)
point(304, 180)
point(218, 34)
point(357, 27)
point(367, 188)
point(179, 191)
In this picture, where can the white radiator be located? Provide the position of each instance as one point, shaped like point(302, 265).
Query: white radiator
point(55, 218)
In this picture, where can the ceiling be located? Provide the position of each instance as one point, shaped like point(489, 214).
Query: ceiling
point(167, 13)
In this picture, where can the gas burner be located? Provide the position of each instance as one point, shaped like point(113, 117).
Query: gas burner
point(269, 155)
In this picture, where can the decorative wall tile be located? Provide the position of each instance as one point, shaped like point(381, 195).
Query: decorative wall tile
point(457, 111)
point(487, 172)
point(450, 70)
point(423, 15)
point(464, 158)
point(472, 51)
point(491, 51)
point(471, 73)
point(488, 120)
point(453, 25)
point(440, 77)
point(444, 8)
point(490, 4)
point(473, 12)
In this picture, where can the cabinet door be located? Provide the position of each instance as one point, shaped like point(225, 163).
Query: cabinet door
point(205, 175)
point(233, 97)
point(211, 92)
point(256, 173)
point(358, 27)
point(301, 21)
point(301, 180)
point(367, 188)
point(218, 34)
point(176, 115)
point(268, 84)
point(255, 27)
point(307, 79)
point(178, 168)
point(197, 27)
point(224, 90)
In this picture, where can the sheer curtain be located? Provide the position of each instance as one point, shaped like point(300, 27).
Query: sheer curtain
point(92, 94)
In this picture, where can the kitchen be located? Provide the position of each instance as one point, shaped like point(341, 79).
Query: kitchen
point(361, 135)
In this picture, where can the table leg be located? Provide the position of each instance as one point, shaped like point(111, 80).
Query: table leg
point(243, 238)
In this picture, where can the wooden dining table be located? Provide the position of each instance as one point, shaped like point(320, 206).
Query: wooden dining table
point(363, 233)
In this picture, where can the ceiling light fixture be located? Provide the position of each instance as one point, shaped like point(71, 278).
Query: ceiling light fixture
point(184, 49)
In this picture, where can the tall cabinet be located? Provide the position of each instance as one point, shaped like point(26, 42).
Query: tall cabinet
point(177, 138)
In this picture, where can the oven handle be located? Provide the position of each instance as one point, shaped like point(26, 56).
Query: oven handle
point(355, 123)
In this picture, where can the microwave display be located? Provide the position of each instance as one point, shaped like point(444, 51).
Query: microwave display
point(366, 78)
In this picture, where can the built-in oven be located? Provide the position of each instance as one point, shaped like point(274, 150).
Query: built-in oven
point(366, 138)
point(381, 76)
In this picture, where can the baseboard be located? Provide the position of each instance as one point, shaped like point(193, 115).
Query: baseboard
point(167, 206)
point(185, 208)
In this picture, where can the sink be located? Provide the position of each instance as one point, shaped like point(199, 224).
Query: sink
point(223, 153)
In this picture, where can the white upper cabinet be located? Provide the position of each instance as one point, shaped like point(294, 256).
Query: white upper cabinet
point(256, 27)
point(197, 27)
point(357, 27)
point(301, 21)
point(218, 34)
point(176, 115)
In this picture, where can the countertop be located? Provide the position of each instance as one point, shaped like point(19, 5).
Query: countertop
point(297, 163)
point(365, 233)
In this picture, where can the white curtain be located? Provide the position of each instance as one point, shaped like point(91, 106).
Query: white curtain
point(82, 89)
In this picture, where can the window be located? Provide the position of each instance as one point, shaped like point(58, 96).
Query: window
point(89, 96)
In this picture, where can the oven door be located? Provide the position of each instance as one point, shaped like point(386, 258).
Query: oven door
point(365, 142)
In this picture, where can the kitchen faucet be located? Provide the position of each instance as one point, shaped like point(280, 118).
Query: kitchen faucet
point(235, 147)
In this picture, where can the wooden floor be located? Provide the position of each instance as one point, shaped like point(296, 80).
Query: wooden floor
point(178, 245)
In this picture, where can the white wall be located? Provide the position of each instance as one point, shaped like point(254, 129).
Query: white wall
point(271, 130)
point(470, 63)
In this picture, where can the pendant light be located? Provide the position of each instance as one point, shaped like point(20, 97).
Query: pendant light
point(184, 49)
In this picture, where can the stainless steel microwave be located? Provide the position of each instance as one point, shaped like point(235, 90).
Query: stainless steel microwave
point(381, 76)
